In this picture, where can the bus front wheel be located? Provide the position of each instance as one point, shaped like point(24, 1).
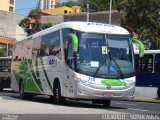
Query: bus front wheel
point(58, 99)
point(106, 104)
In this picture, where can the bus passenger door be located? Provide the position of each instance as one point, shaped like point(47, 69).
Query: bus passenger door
point(71, 67)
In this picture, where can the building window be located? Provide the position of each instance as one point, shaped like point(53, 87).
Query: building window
point(11, 2)
point(65, 11)
point(52, 2)
point(10, 8)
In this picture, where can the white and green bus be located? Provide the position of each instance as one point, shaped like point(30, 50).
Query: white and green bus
point(76, 60)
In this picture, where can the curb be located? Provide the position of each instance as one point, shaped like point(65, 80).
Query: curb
point(144, 99)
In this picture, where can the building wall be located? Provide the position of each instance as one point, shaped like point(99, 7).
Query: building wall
point(5, 5)
point(101, 17)
point(62, 10)
point(8, 23)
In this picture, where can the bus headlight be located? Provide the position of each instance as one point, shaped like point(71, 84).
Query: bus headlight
point(130, 83)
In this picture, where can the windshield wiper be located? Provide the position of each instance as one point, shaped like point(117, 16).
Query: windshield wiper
point(101, 61)
point(119, 69)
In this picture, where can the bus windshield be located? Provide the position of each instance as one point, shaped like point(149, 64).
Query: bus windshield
point(106, 56)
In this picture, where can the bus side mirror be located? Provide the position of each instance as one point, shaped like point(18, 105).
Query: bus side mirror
point(140, 46)
point(74, 41)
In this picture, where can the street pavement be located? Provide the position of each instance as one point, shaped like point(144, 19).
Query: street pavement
point(41, 108)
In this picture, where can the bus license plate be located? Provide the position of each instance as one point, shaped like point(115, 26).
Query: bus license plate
point(108, 94)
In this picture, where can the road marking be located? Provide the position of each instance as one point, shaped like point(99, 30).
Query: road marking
point(137, 109)
point(124, 103)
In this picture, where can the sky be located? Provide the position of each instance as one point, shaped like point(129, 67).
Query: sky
point(24, 6)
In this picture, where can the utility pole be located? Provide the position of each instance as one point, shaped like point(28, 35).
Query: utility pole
point(87, 1)
point(110, 12)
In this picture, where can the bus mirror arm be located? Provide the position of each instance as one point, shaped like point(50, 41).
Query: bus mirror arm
point(140, 45)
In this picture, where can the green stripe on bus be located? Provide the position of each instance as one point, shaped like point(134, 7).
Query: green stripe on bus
point(26, 74)
point(113, 82)
point(38, 82)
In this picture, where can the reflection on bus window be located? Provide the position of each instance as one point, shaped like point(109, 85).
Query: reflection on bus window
point(5, 65)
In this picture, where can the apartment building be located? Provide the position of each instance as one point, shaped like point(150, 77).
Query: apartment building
point(48, 4)
point(8, 5)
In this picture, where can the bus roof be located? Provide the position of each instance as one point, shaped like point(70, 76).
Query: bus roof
point(149, 52)
point(83, 26)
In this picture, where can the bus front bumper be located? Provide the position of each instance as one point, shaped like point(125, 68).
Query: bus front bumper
point(87, 92)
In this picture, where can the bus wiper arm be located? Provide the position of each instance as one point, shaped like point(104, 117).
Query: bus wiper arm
point(102, 60)
point(119, 69)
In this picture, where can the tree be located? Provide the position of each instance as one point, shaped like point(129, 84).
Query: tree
point(31, 24)
point(143, 17)
point(3, 51)
point(69, 3)
point(100, 5)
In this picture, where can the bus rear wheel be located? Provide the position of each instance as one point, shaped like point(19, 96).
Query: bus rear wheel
point(23, 95)
point(58, 99)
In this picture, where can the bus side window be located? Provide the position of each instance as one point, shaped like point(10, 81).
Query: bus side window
point(144, 64)
point(157, 63)
point(137, 64)
point(148, 63)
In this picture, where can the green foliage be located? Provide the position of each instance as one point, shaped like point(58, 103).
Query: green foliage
point(3, 51)
point(69, 3)
point(36, 26)
point(143, 17)
point(99, 5)
point(34, 13)
point(46, 25)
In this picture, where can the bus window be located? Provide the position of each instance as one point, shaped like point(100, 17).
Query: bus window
point(157, 63)
point(50, 45)
point(144, 64)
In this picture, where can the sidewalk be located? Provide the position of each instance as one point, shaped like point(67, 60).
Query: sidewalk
point(146, 99)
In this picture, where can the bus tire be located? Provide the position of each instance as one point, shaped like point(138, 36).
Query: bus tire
point(158, 92)
point(1, 89)
point(58, 99)
point(23, 95)
point(106, 104)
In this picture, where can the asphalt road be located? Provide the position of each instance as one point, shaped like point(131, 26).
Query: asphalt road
point(40, 108)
